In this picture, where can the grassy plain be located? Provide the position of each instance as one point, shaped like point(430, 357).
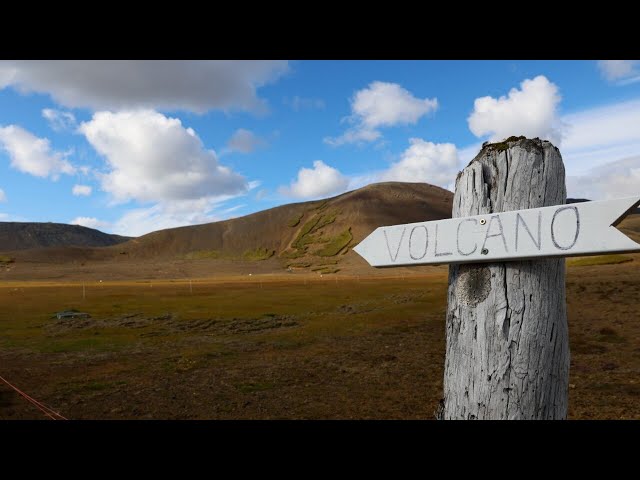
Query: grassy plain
point(284, 346)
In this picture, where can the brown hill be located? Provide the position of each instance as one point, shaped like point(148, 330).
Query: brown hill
point(27, 235)
point(307, 232)
point(307, 236)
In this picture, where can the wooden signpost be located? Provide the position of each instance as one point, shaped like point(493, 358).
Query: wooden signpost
point(507, 352)
point(585, 228)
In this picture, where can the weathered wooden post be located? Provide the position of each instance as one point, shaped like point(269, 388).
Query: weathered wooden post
point(507, 340)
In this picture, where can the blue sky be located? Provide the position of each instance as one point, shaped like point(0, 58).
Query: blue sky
point(134, 146)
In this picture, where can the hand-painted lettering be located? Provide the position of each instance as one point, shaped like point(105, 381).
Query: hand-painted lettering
point(475, 245)
point(394, 257)
point(418, 242)
point(499, 234)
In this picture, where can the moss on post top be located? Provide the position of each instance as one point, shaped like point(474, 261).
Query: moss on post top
point(503, 145)
point(521, 141)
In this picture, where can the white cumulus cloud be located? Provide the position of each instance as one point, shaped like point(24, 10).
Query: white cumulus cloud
point(192, 85)
point(59, 120)
point(245, 141)
point(33, 155)
point(81, 190)
point(3, 196)
point(530, 111)
point(90, 222)
point(151, 157)
point(621, 71)
point(321, 180)
point(423, 161)
point(382, 104)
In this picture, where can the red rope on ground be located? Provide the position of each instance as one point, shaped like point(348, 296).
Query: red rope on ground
point(49, 412)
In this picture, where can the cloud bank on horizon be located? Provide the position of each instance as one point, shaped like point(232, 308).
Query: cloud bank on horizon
point(130, 142)
point(188, 85)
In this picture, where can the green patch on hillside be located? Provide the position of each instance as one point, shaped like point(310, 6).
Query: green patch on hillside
point(292, 254)
point(295, 220)
point(257, 254)
point(336, 244)
point(322, 205)
point(306, 234)
point(307, 240)
point(326, 219)
point(598, 260)
point(299, 265)
point(312, 239)
point(306, 229)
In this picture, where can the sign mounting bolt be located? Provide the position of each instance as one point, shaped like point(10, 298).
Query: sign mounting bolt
point(482, 221)
point(484, 251)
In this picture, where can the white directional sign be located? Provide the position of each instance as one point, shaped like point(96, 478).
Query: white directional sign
point(585, 228)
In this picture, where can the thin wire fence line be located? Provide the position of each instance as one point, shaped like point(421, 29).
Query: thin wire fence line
point(48, 411)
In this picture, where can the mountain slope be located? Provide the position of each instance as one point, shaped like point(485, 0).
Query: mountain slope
point(27, 235)
point(312, 237)
point(318, 229)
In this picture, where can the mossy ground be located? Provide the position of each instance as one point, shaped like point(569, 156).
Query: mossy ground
point(311, 241)
point(336, 244)
point(295, 220)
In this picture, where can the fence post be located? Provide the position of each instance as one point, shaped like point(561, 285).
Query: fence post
point(507, 352)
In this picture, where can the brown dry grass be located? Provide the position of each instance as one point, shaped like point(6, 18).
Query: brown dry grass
point(259, 349)
point(284, 346)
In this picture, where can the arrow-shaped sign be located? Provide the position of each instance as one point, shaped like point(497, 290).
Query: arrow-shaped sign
point(585, 228)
